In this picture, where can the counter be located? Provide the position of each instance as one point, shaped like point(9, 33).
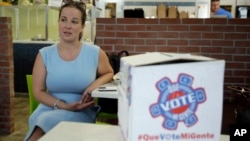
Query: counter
point(24, 57)
point(33, 42)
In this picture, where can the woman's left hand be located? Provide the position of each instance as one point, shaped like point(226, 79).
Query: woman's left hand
point(86, 97)
point(86, 101)
point(77, 106)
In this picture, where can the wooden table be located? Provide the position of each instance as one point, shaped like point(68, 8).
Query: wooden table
point(73, 131)
point(108, 90)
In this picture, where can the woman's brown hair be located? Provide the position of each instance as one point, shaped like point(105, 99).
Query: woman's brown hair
point(81, 6)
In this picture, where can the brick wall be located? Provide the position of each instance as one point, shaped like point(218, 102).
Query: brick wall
point(6, 77)
point(218, 38)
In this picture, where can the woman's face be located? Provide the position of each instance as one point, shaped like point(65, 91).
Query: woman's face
point(70, 24)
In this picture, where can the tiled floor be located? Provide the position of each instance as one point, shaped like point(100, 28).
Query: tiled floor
point(22, 113)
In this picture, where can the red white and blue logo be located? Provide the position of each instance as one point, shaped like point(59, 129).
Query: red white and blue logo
point(177, 101)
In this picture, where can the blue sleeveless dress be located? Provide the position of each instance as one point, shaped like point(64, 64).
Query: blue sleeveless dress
point(66, 80)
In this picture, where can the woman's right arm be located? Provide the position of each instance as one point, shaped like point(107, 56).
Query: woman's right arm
point(39, 83)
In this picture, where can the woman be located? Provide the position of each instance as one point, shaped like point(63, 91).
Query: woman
point(64, 74)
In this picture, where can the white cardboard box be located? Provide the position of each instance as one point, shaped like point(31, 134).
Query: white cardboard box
point(168, 97)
